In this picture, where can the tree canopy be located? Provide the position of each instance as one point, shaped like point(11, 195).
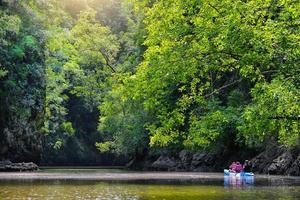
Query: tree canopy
point(133, 76)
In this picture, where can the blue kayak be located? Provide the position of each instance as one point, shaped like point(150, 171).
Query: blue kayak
point(229, 173)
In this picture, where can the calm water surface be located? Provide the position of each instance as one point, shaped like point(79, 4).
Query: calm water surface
point(145, 190)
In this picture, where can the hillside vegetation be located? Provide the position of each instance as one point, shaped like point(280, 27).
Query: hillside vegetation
point(93, 81)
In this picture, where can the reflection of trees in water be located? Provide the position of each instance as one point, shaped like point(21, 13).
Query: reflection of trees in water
point(238, 181)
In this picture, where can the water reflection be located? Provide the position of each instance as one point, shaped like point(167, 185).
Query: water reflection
point(70, 190)
point(235, 188)
point(238, 181)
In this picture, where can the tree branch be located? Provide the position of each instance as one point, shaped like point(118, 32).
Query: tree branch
point(223, 87)
point(107, 61)
point(293, 118)
point(270, 71)
point(214, 8)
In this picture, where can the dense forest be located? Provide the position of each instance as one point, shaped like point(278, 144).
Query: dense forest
point(109, 81)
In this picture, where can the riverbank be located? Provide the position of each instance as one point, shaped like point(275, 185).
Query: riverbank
point(274, 160)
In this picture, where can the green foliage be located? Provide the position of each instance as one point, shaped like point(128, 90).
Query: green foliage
point(22, 81)
point(29, 41)
point(18, 52)
point(122, 119)
point(203, 131)
point(200, 51)
point(3, 72)
point(96, 49)
point(9, 26)
point(58, 144)
point(104, 146)
point(79, 59)
point(274, 112)
point(67, 127)
point(169, 74)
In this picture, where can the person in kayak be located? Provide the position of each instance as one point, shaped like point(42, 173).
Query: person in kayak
point(238, 167)
point(247, 166)
point(232, 167)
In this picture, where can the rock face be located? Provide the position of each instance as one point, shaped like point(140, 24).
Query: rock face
point(21, 119)
point(275, 159)
point(21, 144)
point(22, 90)
point(294, 170)
point(20, 137)
point(203, 162)
point(164, 163)
point(9, 166)
point(278, 160)
point(185, 161)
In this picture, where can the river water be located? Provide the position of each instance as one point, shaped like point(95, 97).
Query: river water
point(144, 186)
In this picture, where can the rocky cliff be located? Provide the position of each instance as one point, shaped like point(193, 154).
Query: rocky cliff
point(22, 86)
point(274, 159)
point(278, 160)
point(22, 100)
point(21, 143)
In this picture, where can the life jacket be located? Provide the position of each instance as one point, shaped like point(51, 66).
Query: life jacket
point(238, 168)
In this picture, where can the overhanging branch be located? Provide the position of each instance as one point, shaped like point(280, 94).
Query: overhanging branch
point(223, 87)
point(293, 118)
point(107, 61)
